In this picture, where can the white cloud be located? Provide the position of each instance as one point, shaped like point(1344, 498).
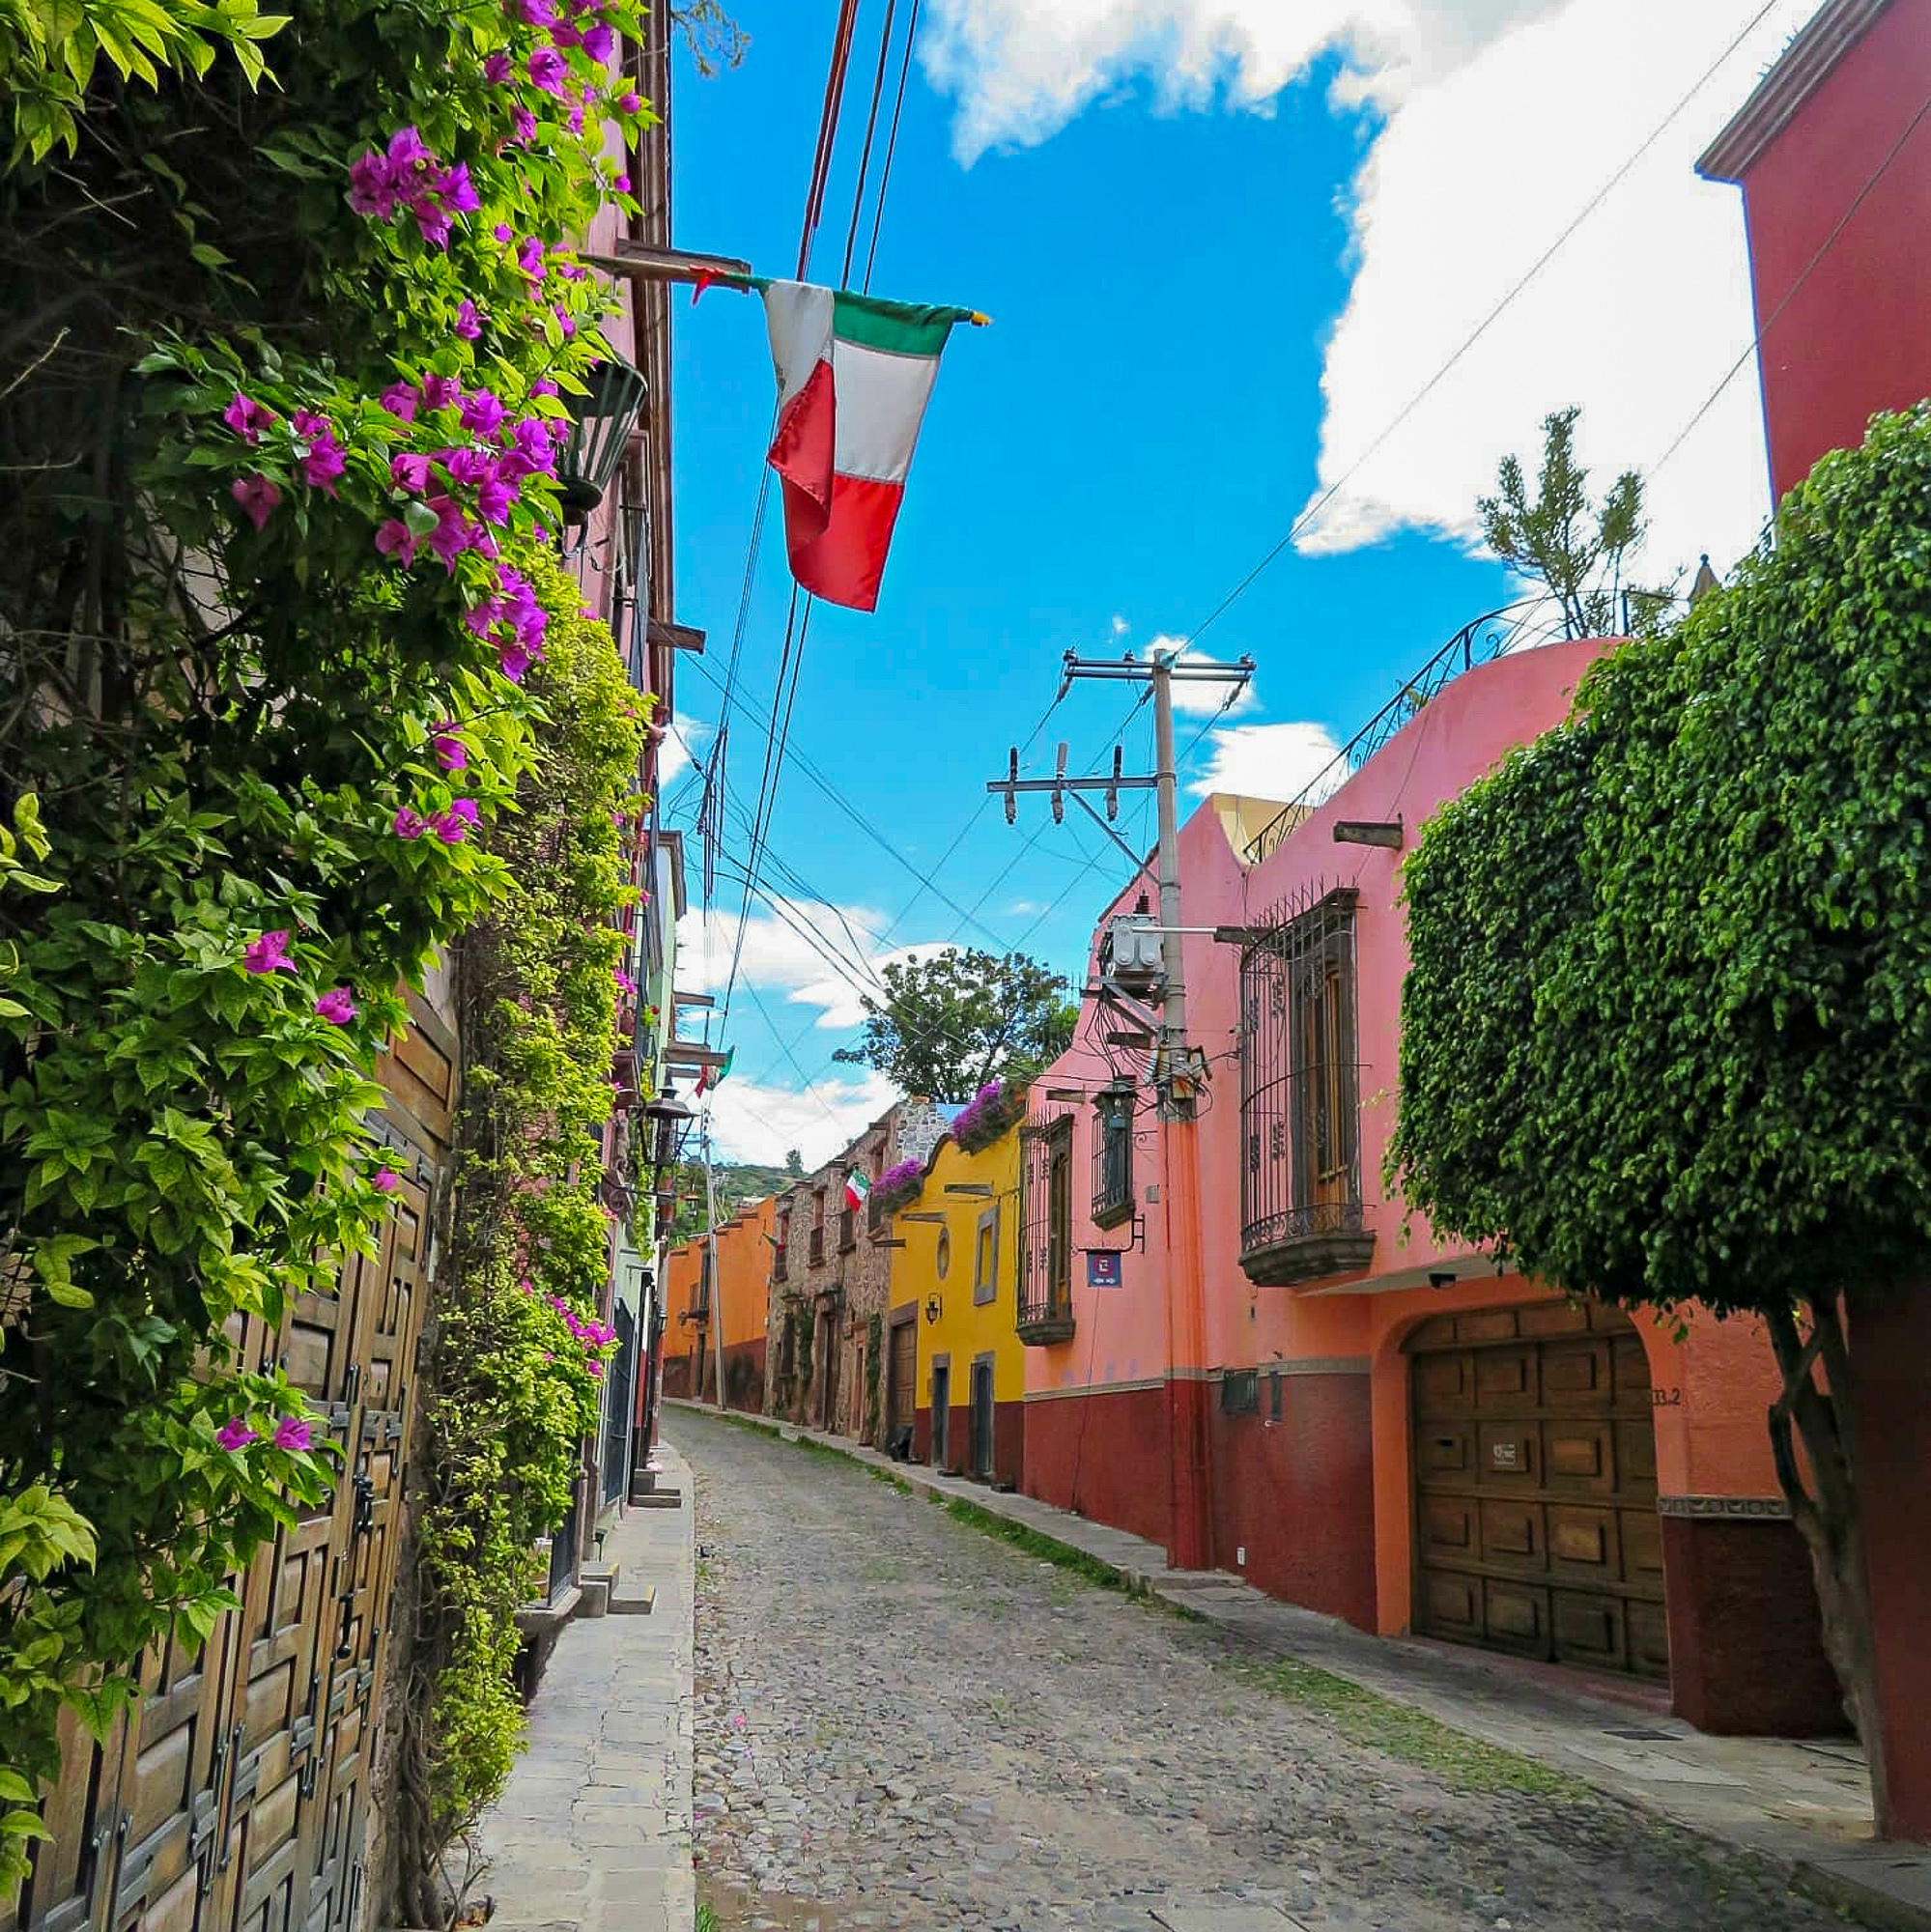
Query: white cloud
point(684, 742)
point(1021, 70)
point(1025, 908)
point(1120, 626)
point(1501, 119)
point(1201, 699)
point(779, 955)
point(1274, 762)
point(760, 1124)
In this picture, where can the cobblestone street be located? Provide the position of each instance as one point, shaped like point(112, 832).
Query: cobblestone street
point(903, 1723)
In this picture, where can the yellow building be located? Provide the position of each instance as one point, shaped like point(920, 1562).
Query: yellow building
point(955, 1376)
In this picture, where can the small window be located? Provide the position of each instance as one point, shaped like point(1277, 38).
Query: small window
point(1113, 1158)
point(986, 1258)
point(1241, 1392)
point(942, 1258)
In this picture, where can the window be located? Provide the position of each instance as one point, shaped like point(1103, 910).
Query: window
point(942, 1257)
point(986, 1258)
point(781, 1253)
point(1300, 1169)
point(815, 1253)
point(1113, 1157)
point(1046, 1303)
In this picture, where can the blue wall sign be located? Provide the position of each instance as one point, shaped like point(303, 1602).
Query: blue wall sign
point(1102, 1267)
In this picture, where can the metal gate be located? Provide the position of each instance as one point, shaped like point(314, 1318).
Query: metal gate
point(619, 1385)
point(982, 1420)
point(235, 1795)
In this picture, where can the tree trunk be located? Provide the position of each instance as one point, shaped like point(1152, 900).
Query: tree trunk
point(1826, 1513)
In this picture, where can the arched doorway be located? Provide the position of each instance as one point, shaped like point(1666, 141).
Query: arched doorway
point(1534, 1457)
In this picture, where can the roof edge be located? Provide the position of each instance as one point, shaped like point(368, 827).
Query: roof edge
point(1793, 77)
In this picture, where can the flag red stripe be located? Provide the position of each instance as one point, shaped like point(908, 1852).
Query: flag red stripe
point(803, 453)
point(841, 556)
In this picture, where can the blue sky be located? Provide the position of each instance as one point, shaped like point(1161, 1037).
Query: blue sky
point(1170, 279)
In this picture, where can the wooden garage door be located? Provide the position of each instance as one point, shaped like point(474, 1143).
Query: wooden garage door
point(1536, 1527)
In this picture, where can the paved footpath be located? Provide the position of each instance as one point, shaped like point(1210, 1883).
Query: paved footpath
point(593, 1832)
point(906, 1726)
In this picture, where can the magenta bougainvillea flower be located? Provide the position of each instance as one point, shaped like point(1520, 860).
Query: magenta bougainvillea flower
point(335, 1007)
point(257, 497)
point(235, 1434)
point(632, 102)
point(468, 465)
point(494, 499)
point(482, 413)
point(514, 662)
point(268, 953)
point(549, 71)
point(400, 400)
point(386, 1180)
point(441, 392)
point(496, 68)
point(535, 12)
point(450, 751)
point(396, 539)
point(410, 823)
point(247, 418)
point(450, 827)
point(469, 325)
point(324, 461)
point(410, 471)
point(599, 42)
point(292, 1432)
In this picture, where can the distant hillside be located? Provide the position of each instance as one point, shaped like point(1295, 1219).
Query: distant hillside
point(734, 1183)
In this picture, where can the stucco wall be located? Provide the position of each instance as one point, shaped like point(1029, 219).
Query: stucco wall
point(1844, 334)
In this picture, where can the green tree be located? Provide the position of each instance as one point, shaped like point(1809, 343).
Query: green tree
point(950, 1023)
point(794, 1165)
point(1562, 540)
point(1664, 1037)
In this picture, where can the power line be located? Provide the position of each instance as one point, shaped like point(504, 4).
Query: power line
point(1789, 295)
point(1421, 395)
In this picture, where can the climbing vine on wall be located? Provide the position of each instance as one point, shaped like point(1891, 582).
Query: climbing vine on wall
point(281, 393)
point(518, 1355)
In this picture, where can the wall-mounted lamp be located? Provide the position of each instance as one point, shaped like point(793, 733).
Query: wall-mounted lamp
point(933, 1307)
point(1442, 1279)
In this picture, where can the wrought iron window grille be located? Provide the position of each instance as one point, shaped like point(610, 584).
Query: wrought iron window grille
point(1301, 1210)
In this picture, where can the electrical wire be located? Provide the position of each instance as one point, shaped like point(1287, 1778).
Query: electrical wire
point(1469, 342)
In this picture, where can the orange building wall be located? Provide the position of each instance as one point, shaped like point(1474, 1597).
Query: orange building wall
point(744, 1274)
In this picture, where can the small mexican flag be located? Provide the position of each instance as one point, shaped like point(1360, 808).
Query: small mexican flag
point(857, 1187)
point(708, 1075)
point(854, 374)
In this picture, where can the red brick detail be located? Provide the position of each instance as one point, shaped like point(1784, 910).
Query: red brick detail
point(1746, 1653)
point(744, 1375)
point(1104, 1456)
point(1300, 1494)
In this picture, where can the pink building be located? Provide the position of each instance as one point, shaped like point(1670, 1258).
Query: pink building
point(1396, 1433)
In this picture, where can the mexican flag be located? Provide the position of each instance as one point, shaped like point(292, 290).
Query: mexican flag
point(854, 374)
point(857, 1187)
point(708, 1075)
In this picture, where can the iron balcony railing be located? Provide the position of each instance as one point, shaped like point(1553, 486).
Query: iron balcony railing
point(847, 1230)
point(781, 1261)
point(1515, 627)
point(1112, 1159)
point(815, 1253)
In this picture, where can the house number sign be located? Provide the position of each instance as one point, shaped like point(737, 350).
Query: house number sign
point(1503, 1454)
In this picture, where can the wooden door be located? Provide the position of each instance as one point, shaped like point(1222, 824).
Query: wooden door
point(904, 1360)
point(234, 1796)
point(1536, 1527)
point(982, 1420)
point(942, 1397)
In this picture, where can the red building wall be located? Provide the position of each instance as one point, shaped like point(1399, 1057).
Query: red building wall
point(1851, 334)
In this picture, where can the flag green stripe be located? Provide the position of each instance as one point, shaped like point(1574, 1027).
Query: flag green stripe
point(900, 328)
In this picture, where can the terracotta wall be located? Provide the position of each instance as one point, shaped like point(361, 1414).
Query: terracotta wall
point(1104, 1456)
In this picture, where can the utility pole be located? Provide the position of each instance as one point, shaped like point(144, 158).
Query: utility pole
point(1176, 1070)
point(716, 1298)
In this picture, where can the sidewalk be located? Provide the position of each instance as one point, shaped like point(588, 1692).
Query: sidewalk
point(593, 1832)
point(1804, 1805)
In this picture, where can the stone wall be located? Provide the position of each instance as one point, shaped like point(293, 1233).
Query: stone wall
point(834, 1297)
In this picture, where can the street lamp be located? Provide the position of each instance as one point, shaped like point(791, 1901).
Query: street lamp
point(601, 422)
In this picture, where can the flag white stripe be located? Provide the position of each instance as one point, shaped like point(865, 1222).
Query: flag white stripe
point(798, 318)
point(881, 401)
